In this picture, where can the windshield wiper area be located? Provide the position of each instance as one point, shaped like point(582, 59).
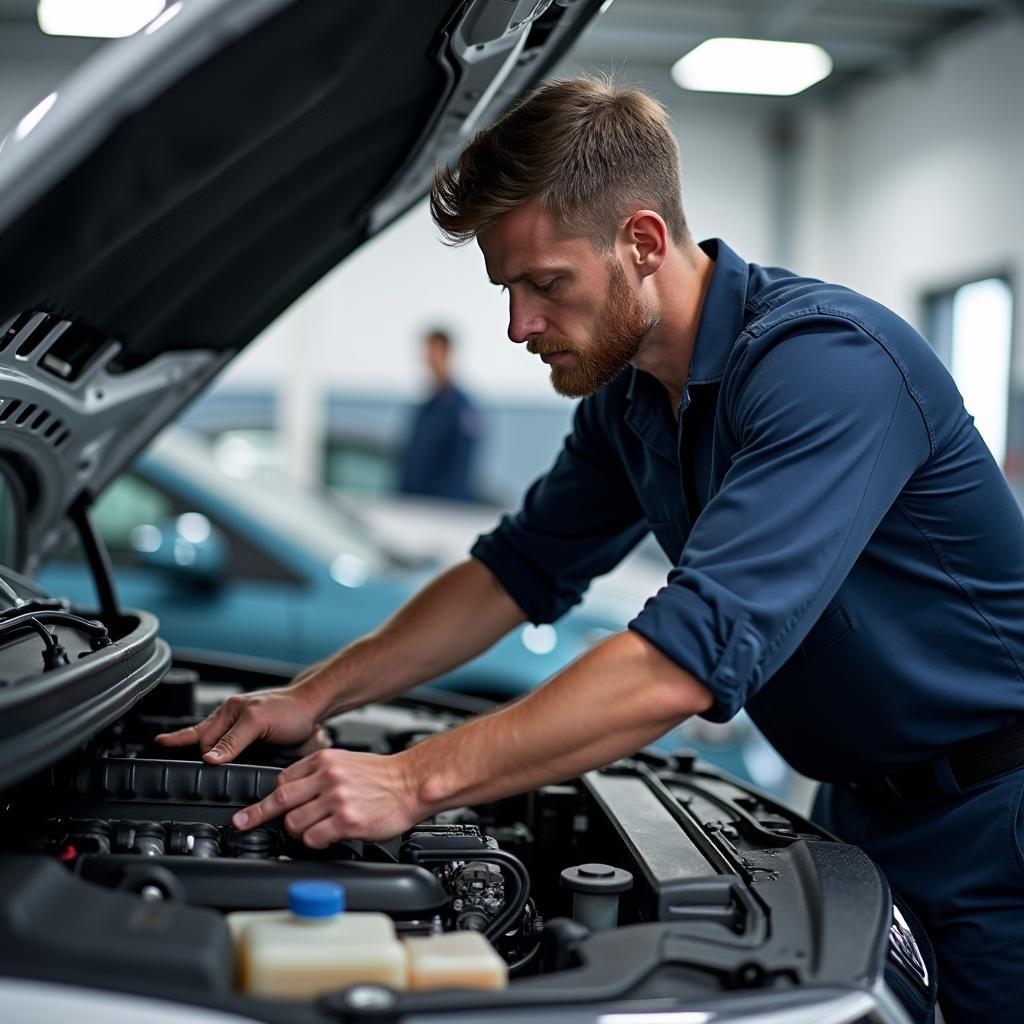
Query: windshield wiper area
point(21, 620)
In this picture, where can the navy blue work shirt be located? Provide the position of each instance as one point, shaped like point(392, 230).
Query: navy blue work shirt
point(439, 451)
point(848, 559)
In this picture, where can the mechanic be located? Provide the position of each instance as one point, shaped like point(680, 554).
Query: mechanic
point(444, 432)
point(848, 559)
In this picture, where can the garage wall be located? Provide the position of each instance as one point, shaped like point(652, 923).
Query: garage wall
point(915, 182)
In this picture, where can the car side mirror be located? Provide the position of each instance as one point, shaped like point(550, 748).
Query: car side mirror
point(189, 548)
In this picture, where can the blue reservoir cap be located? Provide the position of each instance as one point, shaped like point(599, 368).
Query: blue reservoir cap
point(316, 899)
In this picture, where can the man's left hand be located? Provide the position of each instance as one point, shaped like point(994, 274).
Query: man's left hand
point(337, 794)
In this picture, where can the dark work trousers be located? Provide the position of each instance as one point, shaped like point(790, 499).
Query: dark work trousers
point(959, 864)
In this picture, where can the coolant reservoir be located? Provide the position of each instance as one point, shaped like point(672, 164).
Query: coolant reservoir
point(314, 946)
point(456, 960)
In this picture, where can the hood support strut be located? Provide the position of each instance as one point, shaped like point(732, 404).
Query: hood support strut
point(97, 556)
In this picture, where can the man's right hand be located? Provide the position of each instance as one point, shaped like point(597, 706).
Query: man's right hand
point(286, 716)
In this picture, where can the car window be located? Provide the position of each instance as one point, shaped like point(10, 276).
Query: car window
point(306, 517)
point(131, 502)
point(356, 465)
point(360, 467)
point(126, 504)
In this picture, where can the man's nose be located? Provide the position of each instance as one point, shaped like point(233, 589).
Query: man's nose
point(523, 322)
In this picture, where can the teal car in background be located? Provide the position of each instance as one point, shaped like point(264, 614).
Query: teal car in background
point(267, 569)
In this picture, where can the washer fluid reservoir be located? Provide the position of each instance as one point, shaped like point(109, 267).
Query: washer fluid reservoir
point(314, 946)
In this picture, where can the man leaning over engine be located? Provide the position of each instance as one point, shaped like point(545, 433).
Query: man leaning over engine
point(847, 556)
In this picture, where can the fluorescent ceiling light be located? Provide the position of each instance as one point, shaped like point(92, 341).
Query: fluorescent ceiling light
point(759, 66)
point(108, 19)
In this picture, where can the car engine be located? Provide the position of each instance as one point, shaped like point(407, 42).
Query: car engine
point(129, 815)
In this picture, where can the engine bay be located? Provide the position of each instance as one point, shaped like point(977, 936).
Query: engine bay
point(652, 877)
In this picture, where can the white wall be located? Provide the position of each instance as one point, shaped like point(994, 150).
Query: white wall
point(917, 182)
point(368, 315)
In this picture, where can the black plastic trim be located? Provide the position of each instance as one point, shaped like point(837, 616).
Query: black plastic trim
point(44, 718)
point(96, 555)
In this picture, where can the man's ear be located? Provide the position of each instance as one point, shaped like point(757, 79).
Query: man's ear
point(646, 238)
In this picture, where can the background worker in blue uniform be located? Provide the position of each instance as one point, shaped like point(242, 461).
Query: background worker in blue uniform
point(848, 560)
point(444, 432)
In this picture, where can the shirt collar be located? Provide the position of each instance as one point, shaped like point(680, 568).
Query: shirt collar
point(721, 321)
point(721, 317)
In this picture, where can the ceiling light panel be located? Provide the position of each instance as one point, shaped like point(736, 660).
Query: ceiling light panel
point(107, 19)
point(759, 66)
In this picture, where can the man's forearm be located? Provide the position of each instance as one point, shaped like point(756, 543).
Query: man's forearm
point(457, 616)
point(618, 697)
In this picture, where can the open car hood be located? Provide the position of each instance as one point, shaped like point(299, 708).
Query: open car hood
point(185, 185)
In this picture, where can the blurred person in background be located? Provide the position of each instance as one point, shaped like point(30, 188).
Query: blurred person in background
point(444, 432)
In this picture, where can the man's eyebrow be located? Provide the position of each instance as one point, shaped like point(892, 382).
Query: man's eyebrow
point(532, 272)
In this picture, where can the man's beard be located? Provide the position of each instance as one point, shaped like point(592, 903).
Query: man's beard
point(623, 323)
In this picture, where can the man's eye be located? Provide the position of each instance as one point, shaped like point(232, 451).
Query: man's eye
point(548, 286)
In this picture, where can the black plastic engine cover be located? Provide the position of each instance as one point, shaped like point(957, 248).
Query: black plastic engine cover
point(403, 891)
point(190, 790)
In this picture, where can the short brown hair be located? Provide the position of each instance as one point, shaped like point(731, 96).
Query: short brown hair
point(588, 151)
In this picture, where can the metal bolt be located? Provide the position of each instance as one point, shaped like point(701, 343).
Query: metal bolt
point(151, 893)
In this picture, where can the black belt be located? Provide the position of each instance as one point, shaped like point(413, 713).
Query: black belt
point(970, 762)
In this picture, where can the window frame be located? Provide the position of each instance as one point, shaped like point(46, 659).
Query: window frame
point(937, 331)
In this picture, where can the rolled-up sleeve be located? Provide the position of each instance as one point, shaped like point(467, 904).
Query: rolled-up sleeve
point(576, 522)
point(826, 434)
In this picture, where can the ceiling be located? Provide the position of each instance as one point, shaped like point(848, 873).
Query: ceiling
point(866, 38)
